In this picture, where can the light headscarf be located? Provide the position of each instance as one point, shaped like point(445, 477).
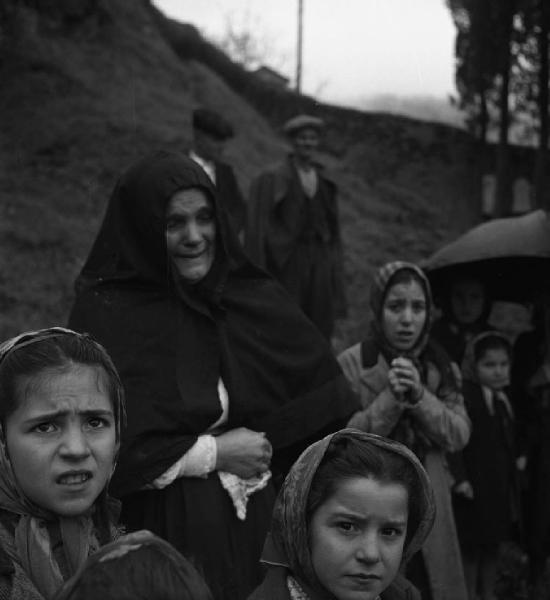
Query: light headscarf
point(380, 287)
point(80, 535)
point(288, 542)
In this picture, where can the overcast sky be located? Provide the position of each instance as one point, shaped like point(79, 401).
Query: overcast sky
point(352, 48)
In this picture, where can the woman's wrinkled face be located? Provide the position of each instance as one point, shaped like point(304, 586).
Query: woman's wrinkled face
point(191, 233)
point(357, 537)
point(467, 301)
point(61, 439)
point(404, 314)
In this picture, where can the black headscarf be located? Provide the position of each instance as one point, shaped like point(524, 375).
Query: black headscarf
point(172, 341)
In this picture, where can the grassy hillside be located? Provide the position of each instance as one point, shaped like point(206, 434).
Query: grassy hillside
point(88, 86)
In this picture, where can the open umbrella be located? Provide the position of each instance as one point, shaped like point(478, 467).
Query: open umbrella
point(511, 255)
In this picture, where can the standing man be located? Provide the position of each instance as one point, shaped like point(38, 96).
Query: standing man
point(293, 227)
point(210, 134)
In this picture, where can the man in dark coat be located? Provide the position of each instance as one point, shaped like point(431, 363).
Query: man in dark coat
point(210, 134)
point(293, 227)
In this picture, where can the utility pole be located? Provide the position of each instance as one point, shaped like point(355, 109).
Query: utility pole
point(299, 47)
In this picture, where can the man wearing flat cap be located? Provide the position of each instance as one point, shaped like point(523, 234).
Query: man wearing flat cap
point(210, 134)
point(293, 228)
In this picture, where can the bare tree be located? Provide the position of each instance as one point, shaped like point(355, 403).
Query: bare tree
point(246, 42)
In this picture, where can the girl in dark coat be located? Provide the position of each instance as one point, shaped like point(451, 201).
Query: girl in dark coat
point(353, 509)
point(488, 502)
point(220, 369)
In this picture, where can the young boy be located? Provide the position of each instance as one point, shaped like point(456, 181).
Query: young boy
point(486, 490)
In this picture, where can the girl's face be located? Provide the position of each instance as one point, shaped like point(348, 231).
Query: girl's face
point(61, 439)
point(404, 314)
point(357, 537)
point(191, 233)
point(493, 369)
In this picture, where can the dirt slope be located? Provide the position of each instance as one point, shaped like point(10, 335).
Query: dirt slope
point(88, 86)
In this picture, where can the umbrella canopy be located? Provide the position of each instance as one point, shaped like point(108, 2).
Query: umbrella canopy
point(511, 255)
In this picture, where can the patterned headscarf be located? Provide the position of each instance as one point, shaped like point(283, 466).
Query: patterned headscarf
point(380, 287)
point(80, 535)
point(116, 566)
point(288, 543)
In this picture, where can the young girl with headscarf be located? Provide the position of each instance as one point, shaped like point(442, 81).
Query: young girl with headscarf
point(61, 408)
point(352, 511)
point(409, 392)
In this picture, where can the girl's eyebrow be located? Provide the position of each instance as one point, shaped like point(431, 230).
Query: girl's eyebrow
point(347, 514)
point(56, 414)
point(396, 523)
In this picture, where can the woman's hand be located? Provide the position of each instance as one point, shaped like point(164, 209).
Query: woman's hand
point(244, 452)
point(404, 380)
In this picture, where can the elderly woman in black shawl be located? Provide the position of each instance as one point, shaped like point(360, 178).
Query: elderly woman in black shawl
point(220, 369)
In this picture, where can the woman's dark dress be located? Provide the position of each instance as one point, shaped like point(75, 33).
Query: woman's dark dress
point(171, 343)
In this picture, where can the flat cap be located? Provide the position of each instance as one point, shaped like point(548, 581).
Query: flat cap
point(302, 122)
point(212, 123)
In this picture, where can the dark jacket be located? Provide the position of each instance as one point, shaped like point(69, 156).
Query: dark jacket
point(489, 465)
point(297, 239)
point(274, 587)
point(277, 209)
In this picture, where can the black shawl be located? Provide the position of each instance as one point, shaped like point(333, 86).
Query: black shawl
point(172, 341)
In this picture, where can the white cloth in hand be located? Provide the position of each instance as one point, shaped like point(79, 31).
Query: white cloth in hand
point(240, 489)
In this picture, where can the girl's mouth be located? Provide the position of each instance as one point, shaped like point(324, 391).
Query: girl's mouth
point(74, 478)
point(405, 335)
point(363, 581)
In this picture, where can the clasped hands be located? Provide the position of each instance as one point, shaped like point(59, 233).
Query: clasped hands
point(404, 381)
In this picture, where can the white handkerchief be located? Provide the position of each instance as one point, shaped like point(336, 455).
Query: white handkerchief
point(240, 490)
